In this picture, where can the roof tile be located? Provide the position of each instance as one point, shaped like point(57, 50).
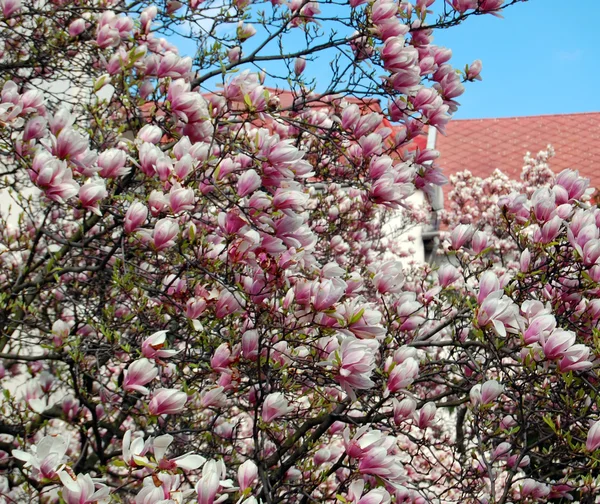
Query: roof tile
point(481, 145)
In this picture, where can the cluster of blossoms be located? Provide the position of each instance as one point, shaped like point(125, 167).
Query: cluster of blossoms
point(197, 306)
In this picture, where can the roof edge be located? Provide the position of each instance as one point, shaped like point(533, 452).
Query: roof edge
point(526, 116)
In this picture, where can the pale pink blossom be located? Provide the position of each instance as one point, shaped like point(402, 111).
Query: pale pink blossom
point(91, 193)
point(474, 71)
point(10, 8)
point(576, 358)
point(558, 343)
point(134, 450)
point(135, 216)
point(150, 133)
point(247, 474)
point(299, 65)
point(82, 490)
point(275, 406)
point(53, 177)
point(389, 278)
point(250, 345)
point(112, 163)
point(426, 415)
point(461, 235)
point(404, 409)
point(164, 234)
point(77, 27)
point(35, 128)
point(355, 361)
point(248, 182)
point(138, 374)
point(153, 346)
point(593, 437)
point(181, 199)
point(46, 457)
point(328, 292)
point(402, 375)
point(167, 402)
point(486, 393)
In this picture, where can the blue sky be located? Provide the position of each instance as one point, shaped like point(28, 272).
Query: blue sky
point(542, 58)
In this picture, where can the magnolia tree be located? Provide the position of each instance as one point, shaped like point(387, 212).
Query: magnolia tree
point(197, 305)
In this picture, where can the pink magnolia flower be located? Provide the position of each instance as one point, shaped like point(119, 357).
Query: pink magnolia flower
point(112, 163)
point(499, 312)
point(208, 485)
point(69, 143)
point(293, 198)
point(525, 261)
point(501, 452)
point(447, 275)
point(375, 496)
point(576, 358)
point(33, 101)
point(53, 177)
point(135, 216)
point(389, 277)
point(299, 65)
point(213, 398)
point(174, 66)
point(195, 307)
point(227, 304)
point(247, 474)
point(82, 490)
point(181, 199)
point(153, 346)
point(534, 489)
point(403, 375)
point(540, 327)
point(35, 128)
point(426, 415)
point(461, 235)
point(167, 402)
point(404, 409)
point(486, 393)
point(248, 182)
point(234, 54)
point(464, 5)
point(371, 144)
point(212, 482)
point(328, 292)
point(377, 461)
point(490, 5)
point(45, 457)
point(150, 133)
point(593, 438)
point(221, 358)
point(250, 344)
point(10, 8)
point(558, 343)
point(487, 284)
point(572, 184)
point(91, 193)
point(188, 461)
point(474, 71)
point(138, 374)
point(77, 27)
point(134, 451)
point(164, 234)
point(245, 31)
point(356, 361)
point(275, 406)
point(161, 487)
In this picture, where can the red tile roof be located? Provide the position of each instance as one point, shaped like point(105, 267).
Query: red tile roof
point(481, 145)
